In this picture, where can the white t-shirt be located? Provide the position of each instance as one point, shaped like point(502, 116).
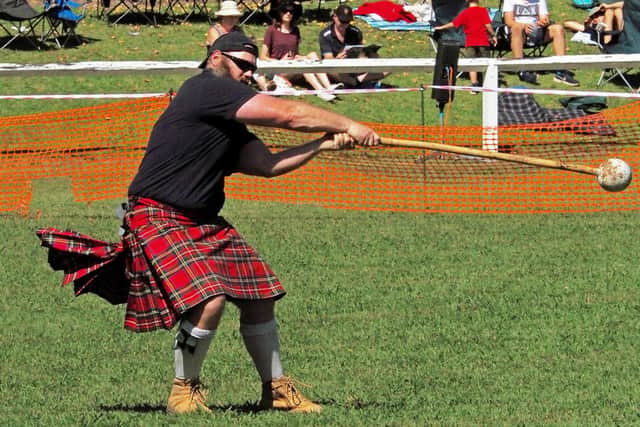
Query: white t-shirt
point(526, 11)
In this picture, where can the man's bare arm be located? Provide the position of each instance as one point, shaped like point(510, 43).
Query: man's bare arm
point(265, 110)
point(256, 158)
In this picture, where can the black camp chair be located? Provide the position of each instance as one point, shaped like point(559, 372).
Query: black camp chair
point(628, 41)
point(117, 10)
point(444, 11)
point(253, 7)
point(20, 21)
point(183, 10)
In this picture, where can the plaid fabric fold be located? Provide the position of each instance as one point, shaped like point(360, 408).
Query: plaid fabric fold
point(168, 262)
point(92, 265)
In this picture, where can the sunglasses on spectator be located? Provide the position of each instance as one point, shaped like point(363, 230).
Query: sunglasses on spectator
point(244, 65)
point(291, 11)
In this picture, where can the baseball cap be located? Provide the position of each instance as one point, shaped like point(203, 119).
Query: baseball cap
point(344, 13)
point(234, 41)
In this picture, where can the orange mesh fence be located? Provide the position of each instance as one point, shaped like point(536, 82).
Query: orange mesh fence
point(100, 147)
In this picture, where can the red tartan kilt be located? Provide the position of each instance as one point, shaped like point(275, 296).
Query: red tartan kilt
point(176, 261)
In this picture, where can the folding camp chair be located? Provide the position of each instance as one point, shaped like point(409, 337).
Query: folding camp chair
point(63, 17)
point(444, 11)
point(628, 41)
point(123, 8)
point(19, 21)
point(183, 10)
point(254, 6)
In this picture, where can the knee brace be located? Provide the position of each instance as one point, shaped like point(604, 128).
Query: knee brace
point(185, 341)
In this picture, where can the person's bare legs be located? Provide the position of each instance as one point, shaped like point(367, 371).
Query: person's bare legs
point(207, 314)
point(573, 26)
point(618, 21)
point(518, 34)
point(256, 311)
point(313, 80)
point(324, 80)
point(555, 33)
point(613, 21)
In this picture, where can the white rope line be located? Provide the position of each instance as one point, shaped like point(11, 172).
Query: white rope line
point(541, 91)
point(88, 96)
point(296, 92)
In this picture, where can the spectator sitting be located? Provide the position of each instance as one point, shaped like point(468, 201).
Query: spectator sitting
point(275, 6)
point(228, 18)
point(335, 42)
point(528, 22)
point(605, 18)
point(282, 41)
point(477, 28)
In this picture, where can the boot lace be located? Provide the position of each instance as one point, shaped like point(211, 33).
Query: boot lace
point(198, 392)
point(290, 391)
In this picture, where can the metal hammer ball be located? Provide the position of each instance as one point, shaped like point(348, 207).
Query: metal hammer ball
point(614, 175)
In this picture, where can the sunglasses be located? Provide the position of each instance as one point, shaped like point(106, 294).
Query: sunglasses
point(244, 65)
point(291, 11)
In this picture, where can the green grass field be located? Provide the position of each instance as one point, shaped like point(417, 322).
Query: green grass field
point(393, 318)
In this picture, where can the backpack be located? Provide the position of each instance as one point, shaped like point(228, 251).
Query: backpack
point(588, 104)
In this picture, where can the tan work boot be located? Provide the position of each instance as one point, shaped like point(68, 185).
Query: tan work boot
point(187, 396)
point(282, 394)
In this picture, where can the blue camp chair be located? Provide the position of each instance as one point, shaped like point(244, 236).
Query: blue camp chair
point(63, 17)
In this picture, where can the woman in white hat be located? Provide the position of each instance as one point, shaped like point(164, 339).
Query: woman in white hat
point(228, 18)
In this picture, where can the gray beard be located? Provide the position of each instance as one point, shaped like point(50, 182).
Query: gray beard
point(222, 70)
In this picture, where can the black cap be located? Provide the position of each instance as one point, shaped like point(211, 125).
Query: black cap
point(291, 6)
point(234, 41)
point(344, 13)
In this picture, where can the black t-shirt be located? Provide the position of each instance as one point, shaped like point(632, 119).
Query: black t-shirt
point(194, 145)
point(329, 41)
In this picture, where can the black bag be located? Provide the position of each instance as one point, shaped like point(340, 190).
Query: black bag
point(588, 104)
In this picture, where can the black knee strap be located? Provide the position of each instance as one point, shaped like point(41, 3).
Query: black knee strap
point(185, 341)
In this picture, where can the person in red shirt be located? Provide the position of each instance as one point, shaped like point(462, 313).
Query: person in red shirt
point(477, 27)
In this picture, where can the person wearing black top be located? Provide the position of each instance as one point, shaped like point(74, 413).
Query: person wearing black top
point(179, 262)
point(343, 40)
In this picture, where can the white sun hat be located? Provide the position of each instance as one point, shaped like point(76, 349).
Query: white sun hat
point(229, 8)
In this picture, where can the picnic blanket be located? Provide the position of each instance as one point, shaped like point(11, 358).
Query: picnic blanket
point(387, 10)
point(385, 15)
point(380, 24)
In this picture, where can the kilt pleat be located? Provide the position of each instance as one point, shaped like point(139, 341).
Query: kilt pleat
point(172, 262)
